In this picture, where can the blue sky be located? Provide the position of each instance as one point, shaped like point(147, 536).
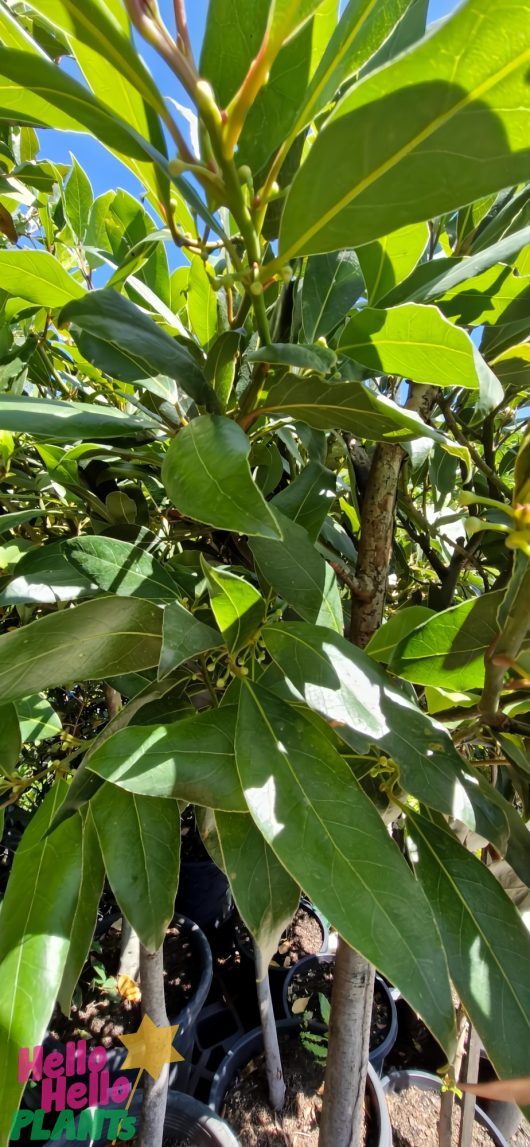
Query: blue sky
point(104, 170)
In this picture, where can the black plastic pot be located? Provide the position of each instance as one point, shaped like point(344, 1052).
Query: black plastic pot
point(203, 893)
point(277, 974)
point(251, 1045)
point(399, 1080)
point(377, 1054)
point(186, 1119)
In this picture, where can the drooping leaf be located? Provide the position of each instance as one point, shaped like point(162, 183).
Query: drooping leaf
point(495, 296)
point(126, 343)
point(389, 260)
point(382, 644)
point(207, 477)
point(84, 921)
point(44, 576)
point(38, 277)
point(95, 640)
point(121, 568)
point(300, 574)
point(191, 760)
point(265, 894)
point(58, 421)
point(37, 916)
point(10, 521)
point(38, 720)
point(238, 607)
point(140, 842)
point(184, 636)
point(448, 649)
point(487, 944)
point(332, 284)
point(11, 742)
point(418, 138)
point(307, 499)
point(325, 830)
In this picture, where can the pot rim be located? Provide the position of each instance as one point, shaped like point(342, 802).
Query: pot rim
point(401, 1080)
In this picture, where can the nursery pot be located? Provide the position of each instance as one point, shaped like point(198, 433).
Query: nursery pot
point(203, 893)
point(277, 973)
point(186, 1119)
point(377, 1054)
point(399, 1080)
point(251, 1044)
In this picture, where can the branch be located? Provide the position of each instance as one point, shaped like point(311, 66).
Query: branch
point(514, 619)
point(493, 478)
point(181, 22)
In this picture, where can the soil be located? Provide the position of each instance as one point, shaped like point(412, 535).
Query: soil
point(247, 1110)
point(307, 985)
point(303, 937)
point(102, 1014)
point(414, 1117)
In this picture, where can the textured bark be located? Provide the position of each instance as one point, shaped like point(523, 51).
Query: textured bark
point(155, 1090)
point(273, 1063)
point(349, 1038)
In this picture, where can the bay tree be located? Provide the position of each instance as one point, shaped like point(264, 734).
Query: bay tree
point(264, 479)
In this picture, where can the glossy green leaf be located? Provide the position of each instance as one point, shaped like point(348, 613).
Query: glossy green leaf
point(303, 357)
point(58, 421)
point(332, 284)
point(448, 649)
point(84, 921)
point(78, 199)
point(126, 343)
point(10, 521)
point(44, 576)
point(442, 125)
point(202, 303)
point(286, 16)
point(140, 842)
point(238, 608)
point(265, 895)
point(38, 277)
point(325, 830)
point(191, 760)
point(413, 341)
point(389, 260)
point(300, 574)
point(207, 477)
point(95, 640)
point(348, 406)
point(367, 707)
point(220, 366)
point(37, 916)
point(184, 636)
point(38, 720)
point(487, 944)
point(121, 568)
point(10, 743)
point(382, 644)
point(495, 296)
point(307, 499)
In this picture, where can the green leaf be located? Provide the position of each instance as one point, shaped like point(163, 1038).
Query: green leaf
point(126, 343)
point(38, 720)
point(448, 649)
point(37, 916)
point(388, 260)
point(44, 576)
point(202, 303)
point(121, 568)
point(348, 406)
point(307, 499)
point(207, 477)
point(190, 760)
point(413, 341)
point(238, 608)
point(286, 16)
point(84, 921)
point(265, 895)
point(140, 842)
point(11, 743)
point(59, 421)
point(487, 944)
point(495, 296)
point(220, 367)
point(303, 357)
point(332, 284)
point(78, 199)
point(10, 521)
point(37, 277)
point(325, 830)
point(444, 124)
point(382, 644)
point(432, 280)
point(95, 640)
point(366, 707)
point(298, 573)
point(184, 636)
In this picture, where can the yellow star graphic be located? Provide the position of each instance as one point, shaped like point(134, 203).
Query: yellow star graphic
point(150, 1048)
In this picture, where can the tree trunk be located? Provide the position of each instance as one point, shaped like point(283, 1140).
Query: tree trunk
point(129, 951)
point(273, 1063)
point(155, 1090)
point(349, 1038)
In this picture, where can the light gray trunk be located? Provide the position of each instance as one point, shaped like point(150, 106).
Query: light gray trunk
point(129, 951)
point(349, 1039)
point(155, 1091)
point(273, 1063)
